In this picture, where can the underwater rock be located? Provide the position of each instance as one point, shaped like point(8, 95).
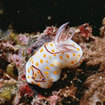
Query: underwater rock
point(77, 86)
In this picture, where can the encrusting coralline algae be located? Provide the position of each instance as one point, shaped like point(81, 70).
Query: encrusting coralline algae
point(76, 86)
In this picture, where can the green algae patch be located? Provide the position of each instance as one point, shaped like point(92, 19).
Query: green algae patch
point(7, 92)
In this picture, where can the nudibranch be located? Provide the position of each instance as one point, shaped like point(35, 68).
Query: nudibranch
point(44, 67)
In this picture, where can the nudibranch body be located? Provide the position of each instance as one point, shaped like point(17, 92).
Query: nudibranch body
point(45, 66)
